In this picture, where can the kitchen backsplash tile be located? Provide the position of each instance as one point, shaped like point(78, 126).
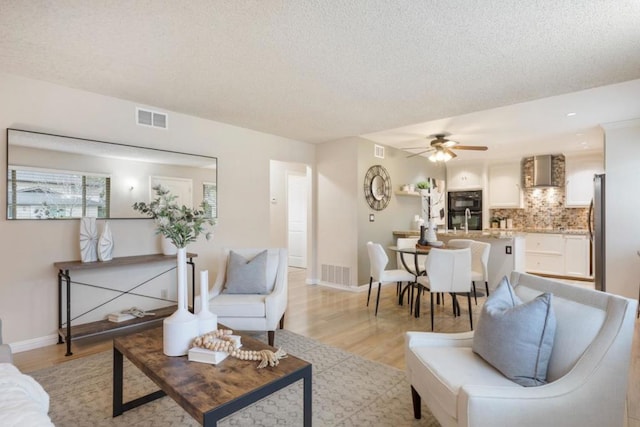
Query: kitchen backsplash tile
point(544, 207)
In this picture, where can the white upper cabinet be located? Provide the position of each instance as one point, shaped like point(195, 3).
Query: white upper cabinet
point(579, 179)
point(467, 177)
point(504, 186)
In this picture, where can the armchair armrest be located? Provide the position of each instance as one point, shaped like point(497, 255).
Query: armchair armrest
point(436, 339)
point(6, 356)
point(276, 302)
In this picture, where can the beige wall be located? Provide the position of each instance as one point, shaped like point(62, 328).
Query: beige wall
point(622, 154)
point(399, 214)
point(28, 291)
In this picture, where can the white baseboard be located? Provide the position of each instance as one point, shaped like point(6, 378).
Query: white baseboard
point(32, 344)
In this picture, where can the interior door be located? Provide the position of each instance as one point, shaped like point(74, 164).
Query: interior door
point(297, 219)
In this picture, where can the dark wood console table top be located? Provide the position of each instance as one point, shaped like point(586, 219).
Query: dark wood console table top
point(67, 332)
point(118, 262)
point(207, 392)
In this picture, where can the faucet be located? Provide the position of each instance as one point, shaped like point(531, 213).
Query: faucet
point(467, 215)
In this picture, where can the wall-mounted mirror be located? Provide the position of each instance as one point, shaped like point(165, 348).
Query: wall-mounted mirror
point(57, 177)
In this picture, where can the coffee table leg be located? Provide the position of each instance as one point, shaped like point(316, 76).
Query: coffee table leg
point(306, 380)
point(117, 383)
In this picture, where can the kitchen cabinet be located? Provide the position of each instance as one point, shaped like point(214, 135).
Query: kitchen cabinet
point(579, 179)
point(467, 177)
point(576, 256)
point(557, 254)
point(504, 186)
point(545, 253)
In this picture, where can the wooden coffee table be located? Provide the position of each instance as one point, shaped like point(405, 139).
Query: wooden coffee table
point(207, 392)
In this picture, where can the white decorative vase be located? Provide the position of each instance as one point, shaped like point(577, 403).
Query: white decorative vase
point(88, 239)
point(207, 321)
point(182, 326)
point(431, 232)
point(105, 244)
point(168, 248)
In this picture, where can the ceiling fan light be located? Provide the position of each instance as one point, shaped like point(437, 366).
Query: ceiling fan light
point(440, 155)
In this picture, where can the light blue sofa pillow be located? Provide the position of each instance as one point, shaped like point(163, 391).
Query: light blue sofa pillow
point(514, 337)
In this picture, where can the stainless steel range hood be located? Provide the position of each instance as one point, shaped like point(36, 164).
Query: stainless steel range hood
point(539, 171)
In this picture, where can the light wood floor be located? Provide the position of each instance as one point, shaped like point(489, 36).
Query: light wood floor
point(341, 319)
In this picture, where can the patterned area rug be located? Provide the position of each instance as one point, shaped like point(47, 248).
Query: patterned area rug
point(347, 391)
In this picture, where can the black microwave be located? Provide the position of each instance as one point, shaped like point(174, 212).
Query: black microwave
point(462, 200)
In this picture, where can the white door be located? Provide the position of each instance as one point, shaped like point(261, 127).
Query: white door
point(297, 219)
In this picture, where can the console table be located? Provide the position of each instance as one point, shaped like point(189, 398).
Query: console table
point(67, 333)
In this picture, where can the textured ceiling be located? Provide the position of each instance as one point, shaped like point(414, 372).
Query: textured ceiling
point(317, 71)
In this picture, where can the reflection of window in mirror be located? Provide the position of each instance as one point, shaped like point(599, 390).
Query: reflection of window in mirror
point(209, 191)
point(44, 194)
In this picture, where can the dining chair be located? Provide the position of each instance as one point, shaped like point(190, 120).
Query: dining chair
point(479, 261)
point(448, 271)
point(378, 261)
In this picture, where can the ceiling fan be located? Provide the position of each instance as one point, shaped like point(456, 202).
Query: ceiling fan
point(441, 148)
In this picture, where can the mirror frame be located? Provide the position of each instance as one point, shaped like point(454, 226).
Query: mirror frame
point(114, 152)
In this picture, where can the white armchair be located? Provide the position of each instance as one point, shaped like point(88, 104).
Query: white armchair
point(587, 374)
point(252, 312)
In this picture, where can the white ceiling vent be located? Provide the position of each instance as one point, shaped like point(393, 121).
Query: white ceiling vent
point(151, 118)
point(378, 151)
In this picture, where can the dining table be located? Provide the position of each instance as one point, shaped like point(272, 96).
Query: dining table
point(417, 271)
point(416, 251)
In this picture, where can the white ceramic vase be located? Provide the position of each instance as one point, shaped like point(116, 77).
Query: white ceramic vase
point(182, 326)
point(105, 244)
point(168, 248)
point(207, 321)
point(88, 239)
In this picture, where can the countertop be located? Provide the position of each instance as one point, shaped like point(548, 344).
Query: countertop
point(497, 232)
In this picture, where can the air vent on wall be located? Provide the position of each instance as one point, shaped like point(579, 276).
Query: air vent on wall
point(378, 151)
point(151, 118)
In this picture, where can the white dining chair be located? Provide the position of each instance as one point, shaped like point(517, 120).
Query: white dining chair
point(378, 261)
point(448, 271)
point(479, 261)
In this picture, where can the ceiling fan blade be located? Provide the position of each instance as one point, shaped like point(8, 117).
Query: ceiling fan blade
point(470, 147)
point(419, 153)
point(447, 143)
point(416, 148)
point(451, 153)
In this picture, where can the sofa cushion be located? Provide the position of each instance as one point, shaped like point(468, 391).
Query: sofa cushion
point(246, 276)
point(23, 401)
point(237, 305)
point(514, 337)
point(441, 371)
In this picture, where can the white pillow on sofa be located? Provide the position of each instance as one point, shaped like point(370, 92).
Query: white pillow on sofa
point(514, 337)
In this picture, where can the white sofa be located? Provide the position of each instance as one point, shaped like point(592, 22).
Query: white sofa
point(587, 375)
point(23, 402)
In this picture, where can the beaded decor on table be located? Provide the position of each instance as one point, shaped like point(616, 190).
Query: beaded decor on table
point(220, 340)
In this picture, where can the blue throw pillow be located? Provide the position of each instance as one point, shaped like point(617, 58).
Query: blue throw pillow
point(514, 337)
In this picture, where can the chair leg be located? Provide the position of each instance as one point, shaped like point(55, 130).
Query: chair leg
point(475, 296)
point(282, 322)
point(431, 295)
point(417, 404)
point(470, 313)
point(486, 285)
point(369, 294)
point(271, 337)
point(378, 297)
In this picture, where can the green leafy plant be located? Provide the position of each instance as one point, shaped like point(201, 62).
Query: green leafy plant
point(423, 185)
point(180, 224)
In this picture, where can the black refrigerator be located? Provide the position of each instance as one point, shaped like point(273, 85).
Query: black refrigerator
point(597, 231)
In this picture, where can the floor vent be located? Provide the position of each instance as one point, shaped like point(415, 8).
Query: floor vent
point(336, 274)
point(378, 151)
point(151, 118)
